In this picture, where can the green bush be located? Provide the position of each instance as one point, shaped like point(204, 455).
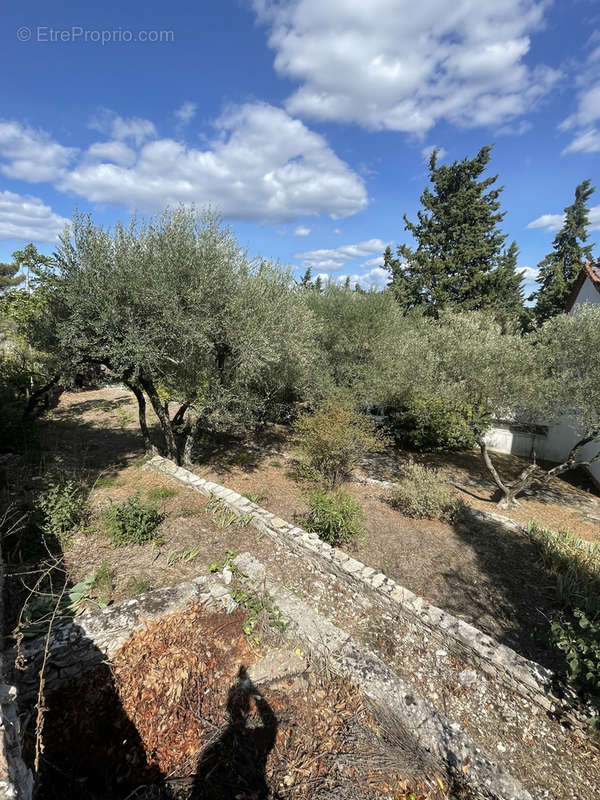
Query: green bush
point(575, 567)
point(579, 640)
point(423, 493)
point(436, 424)
point(332, 441)
point(132, 522)
point(64, 508)
point(337, 518)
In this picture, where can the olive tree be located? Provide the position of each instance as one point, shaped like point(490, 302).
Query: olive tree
point(175, 309)
point(544, 376)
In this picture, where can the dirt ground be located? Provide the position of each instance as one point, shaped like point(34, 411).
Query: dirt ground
point(178, 716)
point(480, 573)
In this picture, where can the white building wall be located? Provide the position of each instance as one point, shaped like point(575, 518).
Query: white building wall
point(587, 294)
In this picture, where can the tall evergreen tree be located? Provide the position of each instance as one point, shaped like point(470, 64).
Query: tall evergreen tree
point(9, 277)
point(305, 280)
point(460, 247)
point(559, 270)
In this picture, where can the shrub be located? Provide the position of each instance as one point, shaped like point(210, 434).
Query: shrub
point(580, 642)
point(423, 493)
point(64, 508)
point(337, 518)
point(132, 522)
point(332, 441)
point(575, 630)
point(437, 424)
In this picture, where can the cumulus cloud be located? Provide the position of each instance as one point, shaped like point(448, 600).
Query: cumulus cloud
point(377, 278)
point(397, 65)
point(110, 123)
point(301, 231)
point(583, 123)
point(31, 155)
point(336, 257)
point(553, 222)
point(27, 218)
point(186, 112)
point(263, 165)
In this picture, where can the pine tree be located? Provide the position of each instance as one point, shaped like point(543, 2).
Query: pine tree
point(305, 280)
point(347, 282)
point(318, 284)
point(9, 277)
point(459, 243)
point(559, 270)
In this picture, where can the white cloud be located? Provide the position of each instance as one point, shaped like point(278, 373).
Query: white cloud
point(583, 122)
point(120, 128)
point(553, 222)
point(26, 218)
point(263, 165)
point(301, 230)
point(585, 142)
point(335, 258)
point(31, 155)
point(336, 231)
point(397, 65)
point(427, 151)
point(377, 278)
point(186, 112)
point(111, 152)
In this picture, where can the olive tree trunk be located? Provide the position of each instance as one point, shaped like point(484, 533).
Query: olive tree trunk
point(534, 472)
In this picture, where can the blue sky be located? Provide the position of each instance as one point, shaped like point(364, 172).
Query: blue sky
point(306, 122)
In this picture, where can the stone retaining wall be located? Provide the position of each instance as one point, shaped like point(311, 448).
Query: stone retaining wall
point(531, 680)
point(16, 780)
point(78, 644)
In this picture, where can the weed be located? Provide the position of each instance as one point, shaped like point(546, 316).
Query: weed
point(138, 584)
point(262, 612)
point(227, 561)
point(575, 630)
point(337, 518)
point(93, 590)
point(574, 565)
point(173, 556)
point(423, 493)
point(223, 516)
point(64, 508)
point(256, 497)
point(158, 493)
point(132, 522)
point(187, 511)
point(275, 463)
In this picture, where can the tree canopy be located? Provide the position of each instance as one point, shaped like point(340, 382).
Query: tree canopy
point(175, 309)
point(460, 259)
point(559, 269)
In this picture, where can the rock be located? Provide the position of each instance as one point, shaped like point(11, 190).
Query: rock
point(277, 665)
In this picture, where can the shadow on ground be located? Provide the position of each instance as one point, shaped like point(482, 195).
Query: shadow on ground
point(517, 591)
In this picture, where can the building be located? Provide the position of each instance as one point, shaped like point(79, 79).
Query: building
point(552, 442)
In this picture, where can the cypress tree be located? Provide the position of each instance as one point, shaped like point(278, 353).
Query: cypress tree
point(559, 270)
point(460, 247)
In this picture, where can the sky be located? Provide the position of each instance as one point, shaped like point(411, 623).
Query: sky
point(306, 123)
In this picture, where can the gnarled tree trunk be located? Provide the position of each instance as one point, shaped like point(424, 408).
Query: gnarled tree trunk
point(533, 472)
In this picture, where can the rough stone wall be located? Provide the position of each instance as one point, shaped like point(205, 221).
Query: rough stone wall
point(529, 679)
point(78, 644)
point(16, 780)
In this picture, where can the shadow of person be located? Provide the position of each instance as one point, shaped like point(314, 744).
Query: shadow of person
point(233, 767)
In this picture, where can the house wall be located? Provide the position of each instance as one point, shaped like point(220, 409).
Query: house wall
point(587, 294)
